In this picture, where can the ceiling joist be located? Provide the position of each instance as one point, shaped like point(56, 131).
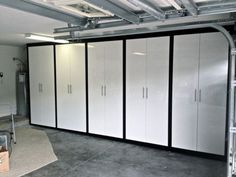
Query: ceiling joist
point(116, 10)
point(28, 6)
point(156, 13)
point(190, 6)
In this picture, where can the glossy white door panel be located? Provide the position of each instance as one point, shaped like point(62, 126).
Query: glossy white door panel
point(157, 90)
point(185, 86)
point(96, 87)
point(213, 88)
point(63, 80)
point(41, 63)
point(135, 89)
point(70, 61)
point(78, 90)
point(35, 84)
point(113, 89)
point(48, 88)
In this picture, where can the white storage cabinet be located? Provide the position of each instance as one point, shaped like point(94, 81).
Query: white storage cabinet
point(71, 91)
point(42, 87)
point(200, 92)
point(105, 83)
point(147, 79)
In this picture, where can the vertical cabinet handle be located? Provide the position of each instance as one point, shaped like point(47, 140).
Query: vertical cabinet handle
point(200, 95)
point(71, 88)
point(105, 90)
point(39, 87)
point(195, 95)
point(102, 90)
point(143, 91)
point(146, 93)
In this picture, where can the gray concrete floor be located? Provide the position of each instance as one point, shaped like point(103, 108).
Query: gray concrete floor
point(84, 156)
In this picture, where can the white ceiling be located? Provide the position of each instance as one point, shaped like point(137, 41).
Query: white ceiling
point(14, 24)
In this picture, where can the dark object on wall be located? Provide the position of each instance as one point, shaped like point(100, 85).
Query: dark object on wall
point(22, 93)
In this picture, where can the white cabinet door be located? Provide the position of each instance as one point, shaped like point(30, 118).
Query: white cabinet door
point(185, 86)
point(96, 54)
point(213, 88)
point(135, 89)
point(113, 89)
point(157, 90)
point(70, 59)
point(78, 90)
point(41, 60)
point(35, 85)
point(63, 81)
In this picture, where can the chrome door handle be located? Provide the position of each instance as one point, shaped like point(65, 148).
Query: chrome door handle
point(146, 93)
point(39, 87)
point(105, 90)
point(143, 92)
point(102, 90)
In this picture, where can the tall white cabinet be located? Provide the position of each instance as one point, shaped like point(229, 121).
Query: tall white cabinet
point(199, 92)
point(105, 83)
point(147, 77)
point(42, 88)
point(71, 100)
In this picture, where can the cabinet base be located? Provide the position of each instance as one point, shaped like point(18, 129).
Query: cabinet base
point(160, 147)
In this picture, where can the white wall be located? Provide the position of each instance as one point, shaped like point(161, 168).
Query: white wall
point(9, 68)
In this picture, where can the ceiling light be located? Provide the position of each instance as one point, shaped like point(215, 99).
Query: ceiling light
point(79, 44)
point(44, 38)
point(90, 46)
point(139, 53)
point(175, 4)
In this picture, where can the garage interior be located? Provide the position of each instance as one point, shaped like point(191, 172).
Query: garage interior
point(118, 88)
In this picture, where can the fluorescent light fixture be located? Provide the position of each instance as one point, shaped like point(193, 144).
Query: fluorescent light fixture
point(79, 44)
point(175, 4)
point(44, 38)
point(139, 53)
point(90, 46)
point(82, 45)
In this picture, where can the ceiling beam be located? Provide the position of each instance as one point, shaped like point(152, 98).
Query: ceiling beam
point(116, 10)
point(190, 6)
point(175, 4)
point(219, 10)
point(34, 8)
point(164, 28)
point(146, 22)
point(155, 12)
